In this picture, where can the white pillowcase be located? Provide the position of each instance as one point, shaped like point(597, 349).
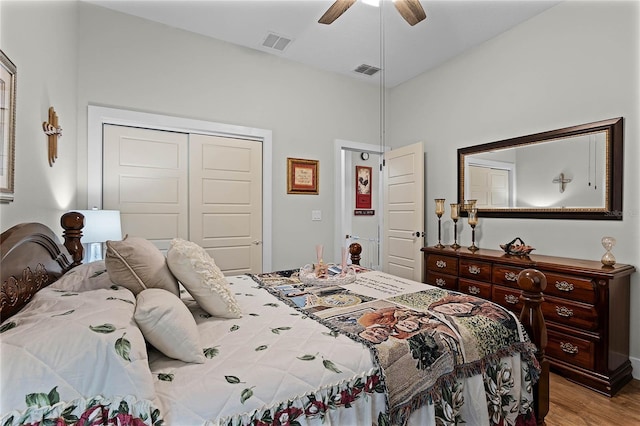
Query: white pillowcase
point(88, 276)
point(202, 278)
point(168, 325)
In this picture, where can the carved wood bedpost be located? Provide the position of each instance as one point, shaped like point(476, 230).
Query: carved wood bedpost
point(532, 283)
point(72, 223)
point(354, 250)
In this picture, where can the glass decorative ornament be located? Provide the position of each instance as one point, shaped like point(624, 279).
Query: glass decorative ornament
point(608, 259)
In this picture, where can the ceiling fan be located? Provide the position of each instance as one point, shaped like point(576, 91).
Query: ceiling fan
point(411, 11)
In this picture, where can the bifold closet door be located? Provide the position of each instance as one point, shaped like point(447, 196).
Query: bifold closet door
point(225, 213)
point(206, 189)
point(145, 176)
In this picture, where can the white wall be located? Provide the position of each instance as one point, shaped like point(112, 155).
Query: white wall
point(40, 39)
point(126, 62)
point(575, 63)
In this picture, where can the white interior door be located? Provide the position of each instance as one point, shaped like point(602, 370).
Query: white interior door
point(145, 177)
point(404, 211)
point(226, 201)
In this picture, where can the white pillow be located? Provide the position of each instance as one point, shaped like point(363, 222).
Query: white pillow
point(202, 278)
point(88, 276)
point(168, 325)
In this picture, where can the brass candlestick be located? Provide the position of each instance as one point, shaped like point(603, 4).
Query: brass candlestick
point(439, 213)
point(473, 221)
point(455, 215)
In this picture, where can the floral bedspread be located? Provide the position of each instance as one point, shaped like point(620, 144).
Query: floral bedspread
point(425, 339)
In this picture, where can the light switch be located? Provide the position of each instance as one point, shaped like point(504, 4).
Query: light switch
point(316, 214)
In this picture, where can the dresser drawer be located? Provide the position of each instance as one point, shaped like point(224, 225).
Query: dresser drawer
point(442, 264)
point(479, 271)
point(570, 313)
point(570, 287)
point(507, 297)
point(475, 288)
point(442, 280)
point(506, 275)
point(571, 349)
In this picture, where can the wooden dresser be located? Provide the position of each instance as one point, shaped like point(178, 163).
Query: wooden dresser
point(586, 306)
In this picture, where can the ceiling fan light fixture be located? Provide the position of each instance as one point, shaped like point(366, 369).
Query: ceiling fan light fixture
point(374, 3)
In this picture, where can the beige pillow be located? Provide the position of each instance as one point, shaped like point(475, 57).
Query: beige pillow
point(202, 278)
point(137, 264)
point(168, 325)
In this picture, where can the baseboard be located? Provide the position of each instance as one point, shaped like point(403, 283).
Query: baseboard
point(635, 363)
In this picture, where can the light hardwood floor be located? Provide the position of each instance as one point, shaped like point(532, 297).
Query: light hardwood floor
point(573, 405)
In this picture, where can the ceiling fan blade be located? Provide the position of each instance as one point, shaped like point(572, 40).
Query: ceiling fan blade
point(411, 10)
point(335, 10)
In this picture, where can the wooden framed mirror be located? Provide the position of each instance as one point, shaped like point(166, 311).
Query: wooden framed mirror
point(570, 173)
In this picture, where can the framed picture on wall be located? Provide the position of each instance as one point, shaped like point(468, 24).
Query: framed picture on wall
point(363, 187)
point(302, 176)
point(8, 74)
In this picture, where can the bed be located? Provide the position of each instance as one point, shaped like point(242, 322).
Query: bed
point(82, 346)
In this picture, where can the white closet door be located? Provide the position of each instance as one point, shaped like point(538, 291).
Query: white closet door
point(145, 176)
point(225, 215)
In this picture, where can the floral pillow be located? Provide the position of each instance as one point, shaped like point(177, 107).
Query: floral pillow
point(68, 345)
point(202, 278)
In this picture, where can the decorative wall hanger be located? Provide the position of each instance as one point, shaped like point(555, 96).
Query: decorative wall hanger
point(53, 131)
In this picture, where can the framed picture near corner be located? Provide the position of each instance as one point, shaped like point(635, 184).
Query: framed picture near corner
point(8, 74)
point(302, 176)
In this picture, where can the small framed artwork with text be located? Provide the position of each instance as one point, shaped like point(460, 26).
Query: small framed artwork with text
point(302, 176)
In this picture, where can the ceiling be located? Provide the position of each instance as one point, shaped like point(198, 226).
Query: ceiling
point(451, 28)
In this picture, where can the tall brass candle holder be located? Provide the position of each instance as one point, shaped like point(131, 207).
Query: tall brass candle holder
point(473, 221)
point(439, 213)
point(455, 215)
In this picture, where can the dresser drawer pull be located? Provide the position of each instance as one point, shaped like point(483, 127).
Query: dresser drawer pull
point(474, 290)
point(564, 286)
point(564, 311)
point(475, 270)
point(441, 264)
point(511, 299)
point(568, 348)
point(510, 276)
point(440, 282)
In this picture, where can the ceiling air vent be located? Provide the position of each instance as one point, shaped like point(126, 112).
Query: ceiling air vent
point(274, 41)
point(367, 69)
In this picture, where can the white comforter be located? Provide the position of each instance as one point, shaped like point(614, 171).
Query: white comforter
point(272, 354)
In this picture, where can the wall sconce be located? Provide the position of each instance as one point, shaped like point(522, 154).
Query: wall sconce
point(99, 226)
point(562, 181)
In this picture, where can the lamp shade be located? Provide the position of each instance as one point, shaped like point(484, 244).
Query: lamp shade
point(100, 226)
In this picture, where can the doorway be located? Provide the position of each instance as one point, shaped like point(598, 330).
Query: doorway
point(364, 228)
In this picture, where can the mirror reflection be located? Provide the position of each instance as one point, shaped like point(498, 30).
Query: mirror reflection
point(551, 174)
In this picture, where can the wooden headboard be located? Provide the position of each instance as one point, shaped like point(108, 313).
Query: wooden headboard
point(33, 258)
